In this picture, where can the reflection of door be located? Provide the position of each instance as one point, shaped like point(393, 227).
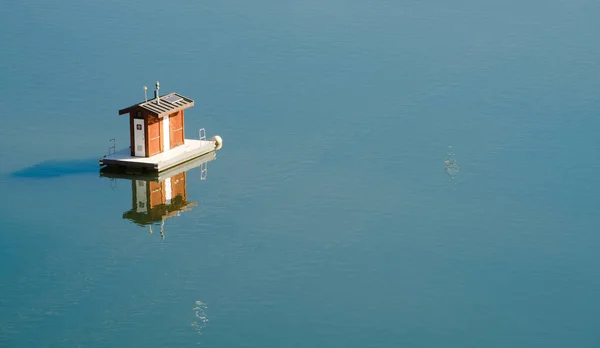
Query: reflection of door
point(140, 196)
point(139, 139)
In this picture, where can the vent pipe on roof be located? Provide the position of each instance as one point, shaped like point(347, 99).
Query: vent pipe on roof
point(156, 93)
point(145, 94)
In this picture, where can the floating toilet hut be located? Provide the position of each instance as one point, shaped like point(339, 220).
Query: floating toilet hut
point(157, 136)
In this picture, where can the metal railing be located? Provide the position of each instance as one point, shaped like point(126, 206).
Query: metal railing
point(203, 171)
point(202, 134)
point(112, 144)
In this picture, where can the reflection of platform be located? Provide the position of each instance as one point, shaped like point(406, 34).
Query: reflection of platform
point(162, 161)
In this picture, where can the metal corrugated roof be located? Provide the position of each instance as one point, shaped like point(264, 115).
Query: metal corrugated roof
point(165, 107)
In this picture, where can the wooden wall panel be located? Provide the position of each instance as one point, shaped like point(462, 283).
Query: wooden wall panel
point(182, 126)
point(131, 144)
point(146, 137)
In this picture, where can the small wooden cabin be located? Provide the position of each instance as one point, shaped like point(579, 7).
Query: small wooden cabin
point(157, 125)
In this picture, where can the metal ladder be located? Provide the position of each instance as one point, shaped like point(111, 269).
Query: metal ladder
point(202, 134)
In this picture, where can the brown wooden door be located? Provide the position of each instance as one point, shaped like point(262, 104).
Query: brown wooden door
point(153, 136)
point(176, 128)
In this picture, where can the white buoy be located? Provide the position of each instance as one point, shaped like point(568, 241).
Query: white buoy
point(218, 141)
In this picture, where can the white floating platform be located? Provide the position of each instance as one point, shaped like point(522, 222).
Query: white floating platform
point(189, 150)
point(160, 176)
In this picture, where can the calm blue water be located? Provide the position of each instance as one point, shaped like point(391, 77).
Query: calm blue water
point(329, 218)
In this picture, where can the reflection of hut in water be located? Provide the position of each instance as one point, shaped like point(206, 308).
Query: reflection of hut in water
point(154, 201)
point(157, 197)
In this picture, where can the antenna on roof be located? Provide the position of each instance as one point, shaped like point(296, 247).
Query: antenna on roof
point(156, 93)
point(145, 93)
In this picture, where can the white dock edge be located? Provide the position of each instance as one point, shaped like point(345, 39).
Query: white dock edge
point(190, 149)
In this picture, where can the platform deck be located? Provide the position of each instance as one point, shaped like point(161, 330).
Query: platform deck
point(190, 149)
point(159, 176)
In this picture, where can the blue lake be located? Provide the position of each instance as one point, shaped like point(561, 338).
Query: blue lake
point(394, 174)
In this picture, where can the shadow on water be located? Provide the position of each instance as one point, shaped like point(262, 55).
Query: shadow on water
point(155, 197)
point(58, 168)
